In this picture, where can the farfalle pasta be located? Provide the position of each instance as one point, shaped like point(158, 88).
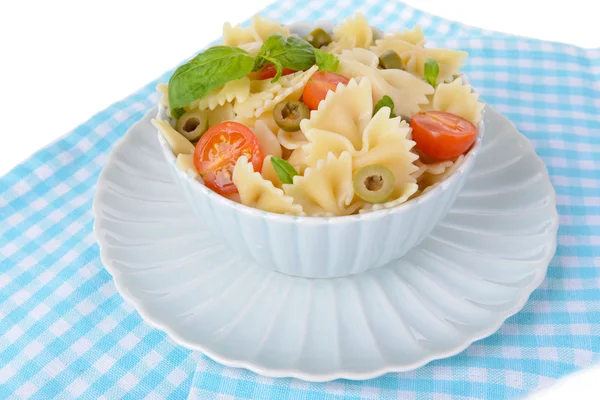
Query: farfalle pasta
point(234, 90)
point(266, 94)
point(326, 188)
point(458, 98)
point(255, 191)
point(328, 125)
point(407, 91)
point(355, 32)
point(414, 55)
point(258, 31)
point(369, 140)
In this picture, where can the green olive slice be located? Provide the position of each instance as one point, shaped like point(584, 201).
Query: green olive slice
point(390, 60)
point(318, 38)
point(192, 124)
point(374, 184)
point(288, 114)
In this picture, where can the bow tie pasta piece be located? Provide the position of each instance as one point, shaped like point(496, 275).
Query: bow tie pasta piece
point(265, 94)
point(257, 192)
point(288, 140)
point(370, 140)
point(433, 168)
point(238, 90)
point(362, 56)
point(382, 140)
point(266, 117)
point(247, 110)
point(347, 111)
point(406, 90)
point(259, 30)
point(351, 33)
point(185, 162)
point(291, 140)
point(267, 138)
point(298, 160)
point(268, 172)
point(413, 36)
point(236, 35)
point(414, 56)
point(322, 142)
point(253, 47)
point(458, 99)
point(450, 62)
point(385, 143)
point(177, 142)
point(262, 28)
point(434, 176)
point(220, 114)
point(326, 189)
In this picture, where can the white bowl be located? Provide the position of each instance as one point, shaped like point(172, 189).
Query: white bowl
point(315, 247)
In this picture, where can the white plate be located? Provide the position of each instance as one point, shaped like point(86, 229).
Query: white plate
point(476, 269)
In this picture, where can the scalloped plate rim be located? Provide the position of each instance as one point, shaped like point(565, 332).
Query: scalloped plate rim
point(342, 374)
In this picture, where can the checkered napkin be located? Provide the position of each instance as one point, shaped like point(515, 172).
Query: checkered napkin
point(66, 333)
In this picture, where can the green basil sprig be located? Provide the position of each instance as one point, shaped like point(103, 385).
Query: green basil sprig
point(386, 101)
point(207, 71)
point(218, 65)
point(284, 170)
point(432, 69)
point(292, 52)
point(326, 61)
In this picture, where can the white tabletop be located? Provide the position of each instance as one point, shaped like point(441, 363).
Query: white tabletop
point(95, 53)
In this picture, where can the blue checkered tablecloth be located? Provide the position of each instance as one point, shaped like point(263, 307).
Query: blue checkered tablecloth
point(66, 333)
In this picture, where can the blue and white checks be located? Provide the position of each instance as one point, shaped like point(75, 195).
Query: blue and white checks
point(65, 332)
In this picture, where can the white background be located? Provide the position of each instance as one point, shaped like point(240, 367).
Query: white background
point(62, 61)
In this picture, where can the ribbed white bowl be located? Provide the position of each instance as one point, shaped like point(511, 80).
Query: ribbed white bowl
point(321, 247)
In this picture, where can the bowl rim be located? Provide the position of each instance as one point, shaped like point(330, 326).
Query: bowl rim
point(430, 195)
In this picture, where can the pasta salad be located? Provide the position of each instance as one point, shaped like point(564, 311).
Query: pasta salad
point(332, 124)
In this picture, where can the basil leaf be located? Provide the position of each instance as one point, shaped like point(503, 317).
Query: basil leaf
point(207, 71)
point(386, 101)
point(284, 170)
point(292, 52)
point(177, 112)
point(432, 69)
point(326, 61)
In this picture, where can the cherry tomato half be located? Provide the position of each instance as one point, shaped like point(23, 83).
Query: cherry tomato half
point(269, 71)
point(217, 153)
point(442, 135)
point(318, 85)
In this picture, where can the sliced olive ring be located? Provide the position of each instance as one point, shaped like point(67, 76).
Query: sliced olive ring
point(374, 184)
point(318, 38)
point(390, 60)
point(192, 124)
point(288, 114)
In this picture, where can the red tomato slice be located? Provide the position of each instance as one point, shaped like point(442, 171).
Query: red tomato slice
point(269, 71)
point(442, 135)
point(318, 85)
point(218, 150)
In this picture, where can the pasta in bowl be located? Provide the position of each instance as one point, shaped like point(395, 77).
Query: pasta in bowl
point(324, 156)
